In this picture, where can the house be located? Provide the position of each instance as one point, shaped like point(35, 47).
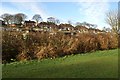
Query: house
point(66, 27)
point(12, 25)
point(47, 26)
point(29, 24)
point(92, 30)
point(43, 25)
point(81, 29)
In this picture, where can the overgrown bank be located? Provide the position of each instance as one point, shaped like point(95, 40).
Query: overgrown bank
point(39, 45)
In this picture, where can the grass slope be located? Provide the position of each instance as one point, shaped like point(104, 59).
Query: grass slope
point(99, 64)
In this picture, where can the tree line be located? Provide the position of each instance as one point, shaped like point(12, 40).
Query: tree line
point(19, 18)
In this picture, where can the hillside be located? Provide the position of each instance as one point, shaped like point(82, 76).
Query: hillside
point(99, 64)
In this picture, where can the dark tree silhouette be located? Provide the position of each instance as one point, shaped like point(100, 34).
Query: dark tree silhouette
point(51, 19)
point(7, 18)
point(37, 18)
point(19, 18)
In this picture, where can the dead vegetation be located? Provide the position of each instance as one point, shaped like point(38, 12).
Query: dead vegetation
point(42, 45)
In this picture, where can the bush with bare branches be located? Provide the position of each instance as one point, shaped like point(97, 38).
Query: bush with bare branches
point(41, 45)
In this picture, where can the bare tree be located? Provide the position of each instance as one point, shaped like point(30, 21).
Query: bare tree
point(57, 21)
point(78, 24)
point(7, 18)
point(19, 18)
point(86, 24)
point(112, 20)
point(119, 18)
point(37, 18)
point(51, 19)
point(69, 22)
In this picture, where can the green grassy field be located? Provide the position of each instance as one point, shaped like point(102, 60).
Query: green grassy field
point(99, 64)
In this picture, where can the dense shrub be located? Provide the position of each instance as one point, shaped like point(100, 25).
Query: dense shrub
point(12, 45)
point(39, 45)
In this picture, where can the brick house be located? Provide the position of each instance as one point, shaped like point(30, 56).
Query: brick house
point(92, 30)
point(29, 23)
point(47, 26)
point(81, 29)
point(66, 27)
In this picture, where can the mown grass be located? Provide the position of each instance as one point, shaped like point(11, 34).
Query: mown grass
point(99, 64)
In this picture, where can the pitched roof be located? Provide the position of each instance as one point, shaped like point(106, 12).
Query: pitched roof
point(81, 27)
point(29, 21)
point(65, 25)
point(97, 30)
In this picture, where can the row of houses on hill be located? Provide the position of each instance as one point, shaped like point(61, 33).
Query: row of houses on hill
point(48, 26)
